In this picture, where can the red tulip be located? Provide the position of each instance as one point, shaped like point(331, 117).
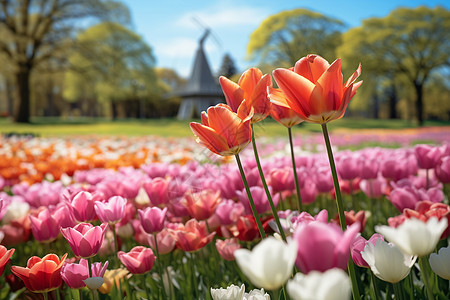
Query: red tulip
point(41, 274)
point(314, 89)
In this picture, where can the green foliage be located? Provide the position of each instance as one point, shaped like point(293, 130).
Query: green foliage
point(112, 64)
point(283, 38)
point(228, 67)
point(406, 46)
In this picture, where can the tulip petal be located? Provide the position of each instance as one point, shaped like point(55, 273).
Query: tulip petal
point(248, 82)
point(354, 76)
point(225, 123)
point(331, 83)
point(311, 67)
point(209, 138)
point(297, 89)
point(232, 91)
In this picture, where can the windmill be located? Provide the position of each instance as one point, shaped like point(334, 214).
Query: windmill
point(202, 90)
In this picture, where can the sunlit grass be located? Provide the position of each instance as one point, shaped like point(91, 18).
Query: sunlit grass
point(177, 128)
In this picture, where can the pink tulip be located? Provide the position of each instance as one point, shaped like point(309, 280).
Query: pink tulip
point(427, 156)
point(63, 216)
point(112, 211)
point(357, 246)
point(323, 180)
point(323, 246)
point(409, 196)
point(259, 197)
point(74, 274)
point(306, 218)
point(348, 166)
point(373, 188)
point(85, 239)
point(442, 170)
point(368, 167)
point(399, 165)
point(152, 219)
point(157, 190)
point(229, 211)
point(281, 180)
point(202, 205)
point(82, 206)
point(227, 247)
point(308, 191)
point(166, 241)
point(98, 270)
point(139, 260)
point(44, 227)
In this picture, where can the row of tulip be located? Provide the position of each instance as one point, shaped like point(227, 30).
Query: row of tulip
point(176, 231)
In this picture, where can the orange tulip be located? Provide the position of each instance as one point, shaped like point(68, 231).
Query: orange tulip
point(283, 115)
point(41, 274)
point(314, 89)
point(251, 87)
point(222, 131)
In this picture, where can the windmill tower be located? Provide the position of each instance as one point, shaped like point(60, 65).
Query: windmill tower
point(202, 90)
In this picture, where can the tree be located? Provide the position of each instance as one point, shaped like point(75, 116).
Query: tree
point(283, 38)
point(112, 64)
point(36, 31)
point(228, 67)
point(410, 43)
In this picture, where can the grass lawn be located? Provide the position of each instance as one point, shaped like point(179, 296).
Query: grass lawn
point(176, 128)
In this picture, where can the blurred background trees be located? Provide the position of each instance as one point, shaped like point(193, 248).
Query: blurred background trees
point(82, 58)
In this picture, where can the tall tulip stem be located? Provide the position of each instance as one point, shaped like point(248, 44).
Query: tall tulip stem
point(297, 187)
point(263, 180)
point(340, 207)
point(250, 198)
point(423, 264)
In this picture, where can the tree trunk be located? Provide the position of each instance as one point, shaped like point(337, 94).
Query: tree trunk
point(392, 102)
point(419, 102)
point(22, 111)
point(114, 110)
point(376, 107)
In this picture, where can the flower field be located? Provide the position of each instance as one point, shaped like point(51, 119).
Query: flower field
point(298, 217)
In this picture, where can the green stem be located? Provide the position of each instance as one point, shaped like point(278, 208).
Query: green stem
point(58, 296)
point(376, 290)
point(424, 275)
point(144, 282)
point(340, 207)
point(250, 198)
point(297, 187)
point(397, 291)
point(116, 246)
point(76, 294)
point(45, 295)
point(161, 271)
point(269, 197)
point(411, 285)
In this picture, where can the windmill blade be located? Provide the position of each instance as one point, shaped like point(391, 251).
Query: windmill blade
point(203, 26)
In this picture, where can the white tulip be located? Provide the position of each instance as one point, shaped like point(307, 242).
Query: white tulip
point(415, 237)
point(333, 284)
point(256, 295)
point(233, 292)
point(269, 264)
point(15, 211)
point(387, 262)
point(440, 263)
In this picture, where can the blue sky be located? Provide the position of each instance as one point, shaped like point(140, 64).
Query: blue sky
point(168, 26)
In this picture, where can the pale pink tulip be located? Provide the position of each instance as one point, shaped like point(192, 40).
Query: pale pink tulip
point(85, 239)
